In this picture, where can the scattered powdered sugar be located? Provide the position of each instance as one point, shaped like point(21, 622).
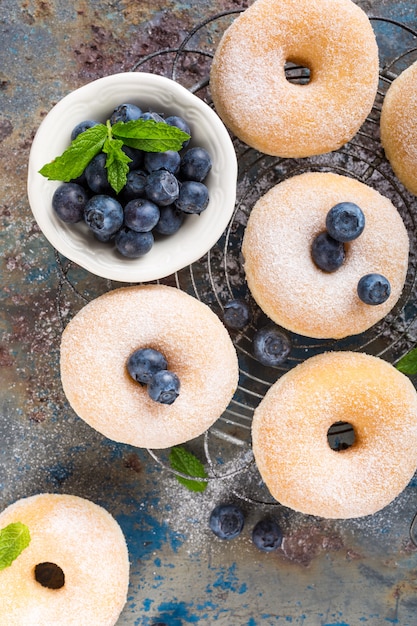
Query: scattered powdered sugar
point(399, 126)
point(294, 457)
point(333, 38)
point(279, 268)
point(100, 338)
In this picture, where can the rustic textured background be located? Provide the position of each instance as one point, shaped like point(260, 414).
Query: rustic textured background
point(327, 573)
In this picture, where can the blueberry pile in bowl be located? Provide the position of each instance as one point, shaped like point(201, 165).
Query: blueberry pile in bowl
point(143, 193)
point(169, 231)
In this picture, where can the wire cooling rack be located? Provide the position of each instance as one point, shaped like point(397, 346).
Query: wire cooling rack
point(219, 275)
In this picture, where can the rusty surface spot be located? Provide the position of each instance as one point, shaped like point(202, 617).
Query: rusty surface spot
point(133, 462)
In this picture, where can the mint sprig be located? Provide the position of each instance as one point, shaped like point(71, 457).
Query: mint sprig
point(116, 163)
point(408, 363)
point(181, 460)
point(146, 135)
point(14, 538)
point(77, 156)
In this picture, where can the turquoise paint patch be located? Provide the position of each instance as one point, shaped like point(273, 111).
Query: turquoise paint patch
point(227, 579)
point(147, 604)
point(146, 535)
point(176, 613)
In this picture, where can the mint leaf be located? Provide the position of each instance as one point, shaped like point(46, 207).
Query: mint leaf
point(149, 135)
point(77, 156)
point(183, 461)
point(408, 363)
point(146, 135)
point(116, 163)
point(14, 538)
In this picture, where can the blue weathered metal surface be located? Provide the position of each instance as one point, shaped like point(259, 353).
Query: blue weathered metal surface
point(327, 573)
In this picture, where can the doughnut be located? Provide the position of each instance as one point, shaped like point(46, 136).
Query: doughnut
point(86, 543)
point(334, 39)
point(98, 341)
point(282, 276)
point(289, 435)
point(398, 127)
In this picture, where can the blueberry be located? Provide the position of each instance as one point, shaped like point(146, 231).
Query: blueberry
point(345, 221)
point(193, 197)
point(168, 160)
point(267, 535)
point(132, 244)
point(236, 314)
point(164, 387)
point(374, 289)
point(135, 185)
point(69, 201)
point(179, 122)
point(96, 174)
point(170, 220)
point(103, 214)
point(81, 127)
point(152, 115)
point(103, 238)
point(226, 521)
point(136, 157)
point(141, 215)
point(125, 113)
point(195, 164)
point(162, 187)
point(143, 364)
point(270, 345)
point(328, 254)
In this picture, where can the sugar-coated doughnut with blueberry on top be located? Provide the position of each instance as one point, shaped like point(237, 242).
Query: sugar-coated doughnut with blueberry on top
point(293, 454)
point(399, 127)
point(334, 39)
point(75, 570)
point(98, 342)
point(283, 276)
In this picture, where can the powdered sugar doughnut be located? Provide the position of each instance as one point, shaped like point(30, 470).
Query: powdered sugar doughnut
point(333, 38)
point(293, 455)
point(86, 543)
point(280, 271)
point(399, 127)
point(98, 341)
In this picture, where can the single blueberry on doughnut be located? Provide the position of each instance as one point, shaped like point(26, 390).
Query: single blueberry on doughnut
point(226, 521)
point(374, 289)
point(328, 254)
point(270, 345)
point(164, 387)
point(345, 221)
point(143, 364)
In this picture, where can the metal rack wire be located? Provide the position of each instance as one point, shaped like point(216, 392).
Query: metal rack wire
point(219, 275)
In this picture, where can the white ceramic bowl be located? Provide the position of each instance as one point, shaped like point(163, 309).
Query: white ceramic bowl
point(97, 100)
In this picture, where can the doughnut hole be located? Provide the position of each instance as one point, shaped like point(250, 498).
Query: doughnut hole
point(49, 575)
point(341, 436)
point(297, 72)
